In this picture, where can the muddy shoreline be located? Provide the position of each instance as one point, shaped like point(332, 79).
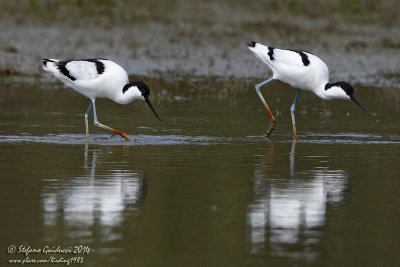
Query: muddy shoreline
point(193, 42)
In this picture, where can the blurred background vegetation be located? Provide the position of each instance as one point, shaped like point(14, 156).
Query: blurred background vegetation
point(203, 38)
point(109, 12)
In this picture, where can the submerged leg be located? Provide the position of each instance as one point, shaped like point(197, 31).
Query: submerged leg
point(98, 124)
point(292, 110)
point(272, 124)
point(86, 120)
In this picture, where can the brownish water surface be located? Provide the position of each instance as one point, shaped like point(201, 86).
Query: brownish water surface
point(208, 188)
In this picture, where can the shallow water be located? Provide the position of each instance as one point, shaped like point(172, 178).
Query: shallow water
point(208, 188)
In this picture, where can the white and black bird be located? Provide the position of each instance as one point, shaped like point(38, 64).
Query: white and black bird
point(301, 70)
point(99, 78)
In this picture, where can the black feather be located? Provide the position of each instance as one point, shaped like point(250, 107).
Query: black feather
point(99, 65)
point(344, 85)
point(271, 52)
point(143, 88)
point(304, 57)
point(63, 69)
point(45, 60)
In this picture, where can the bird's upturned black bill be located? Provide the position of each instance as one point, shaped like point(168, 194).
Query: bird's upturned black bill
point(358, 103)
point(155, 113)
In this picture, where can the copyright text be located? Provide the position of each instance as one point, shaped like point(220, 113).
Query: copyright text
point(48, 254)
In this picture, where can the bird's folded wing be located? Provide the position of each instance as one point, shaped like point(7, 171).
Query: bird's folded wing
point(81, 69)
point(292, 58)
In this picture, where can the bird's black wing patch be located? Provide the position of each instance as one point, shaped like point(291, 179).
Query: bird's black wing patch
point(304, 57)
point(99, 65)
point(271, 52)
point(61, 66)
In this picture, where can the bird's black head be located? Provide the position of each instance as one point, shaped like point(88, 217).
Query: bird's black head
point(346, 87)
point(143, 88)
point(349, 93)
point(145, 91)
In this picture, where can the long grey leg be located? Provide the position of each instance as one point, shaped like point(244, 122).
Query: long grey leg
point(272, 124)
point(98, 124)
point(292, 110)
point(86, 120)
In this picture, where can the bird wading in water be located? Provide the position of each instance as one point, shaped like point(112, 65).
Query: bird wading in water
point(301, 70)
point(98, 77)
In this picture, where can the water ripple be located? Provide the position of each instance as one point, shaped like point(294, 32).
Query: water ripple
point(312, 138)
point(74, 139)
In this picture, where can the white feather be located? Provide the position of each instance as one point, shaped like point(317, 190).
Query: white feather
point(287, 66)
point(82, 70)
point(89, 82)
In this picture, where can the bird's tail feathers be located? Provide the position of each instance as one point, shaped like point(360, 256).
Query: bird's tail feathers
point(47, 60)
point(252, 44)
point(262, 52)
point(49, 64)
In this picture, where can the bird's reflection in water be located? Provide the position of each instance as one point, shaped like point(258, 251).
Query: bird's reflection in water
point(96, 202)
point(288, 212)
